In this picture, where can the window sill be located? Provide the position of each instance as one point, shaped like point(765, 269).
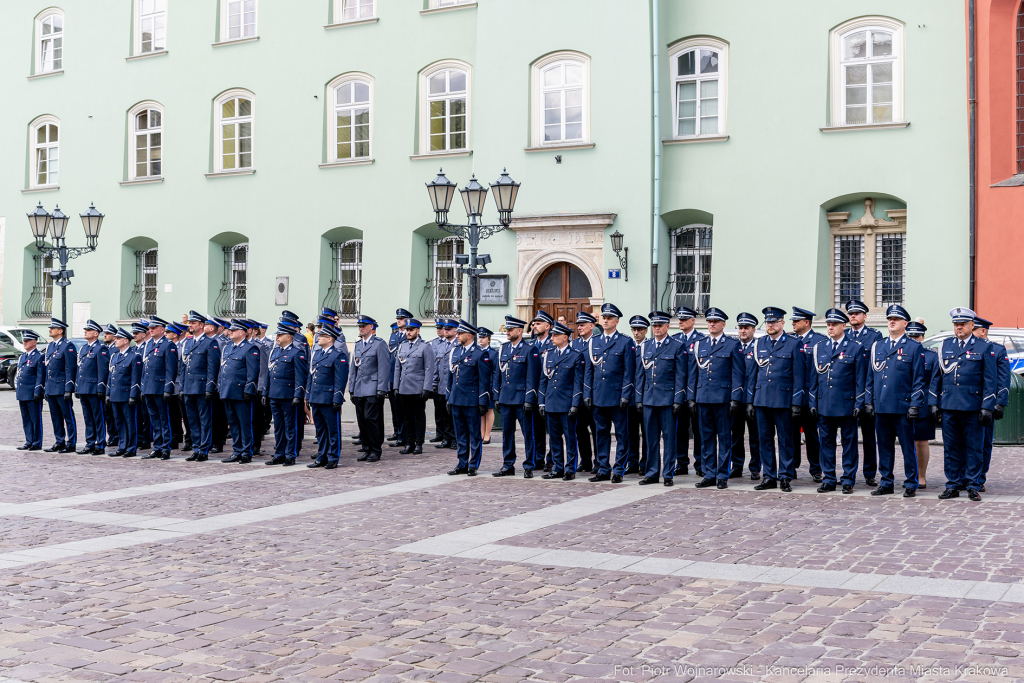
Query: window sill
point(236, 41)
point(354, 22)
point(864, 126)
point(142, 181)
point(354, 162)
point(222, 174)
point(442, 155)
point(453, 8)
point(1013, 181)
point(33, 321)
point(695, 139)
point(147, 55)
point(560, 147)
point(48, 73)
point(41, 188)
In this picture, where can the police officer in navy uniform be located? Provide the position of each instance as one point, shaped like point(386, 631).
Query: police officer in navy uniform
point(140, 334)
point(469, 386)
point(91, 388)
point(660, 391)
point(637, 461)
point(541, 340)
point(124, 387)
point(30, 384)
point(396, 339)
point(998, 353)
point(687, 423)
point(836, 398)
point(924, 426)
point(325, 391)
point(236, 384)
point(220, 416)
point(108, 412)
point(746, 324)
point(775, 388)
point(517, 362)
point(414, 373)
point(610, 368)
point(967, 399)
point(201, 357)
point(585, 428)
point(159, 370)
point(808, 338)
point(483, 338)
point(287, 373)
point(180, 431)
point(61, 373)
point(866, 337)
point(715, 385)
point(368, 384)
point(560, 394)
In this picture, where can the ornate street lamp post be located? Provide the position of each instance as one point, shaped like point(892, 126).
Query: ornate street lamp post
point(56, 224)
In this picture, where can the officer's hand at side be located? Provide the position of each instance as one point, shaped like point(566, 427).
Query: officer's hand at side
point(985, 418)
point(208, 395)
point(589, 403)
point(78, 396)
point(623, 403)
point(337, 407)
point(750, 410)
point(691, 404)
point(998, 412)
point(67, 395)
point(167, 397)
point(795, 411)
point(448, 407)
point(856, 412)
point(934, 412)
point(573, 411)
point(131, 401)
point(814, 413)
point(869, 409)
point(381, 395)
point(639, 406)
point(913, 413)
point(734, 408)
point(677, 408)
point(107, 401)
point(247, 398)
point(296, 401)
point(543, 412)
point(483, 410)
point(528, 407)
point(424, 394)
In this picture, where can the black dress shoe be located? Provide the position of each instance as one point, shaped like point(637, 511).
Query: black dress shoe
point(755, 476)
point(982, 489)
point(847, 488)
point(192, 458)
point(698, 471)
point(55, 448)
point(276, 460)
point(130, 455)
point(436, 439)
point(648, 480)
point(784, 486)
point(816, 478)
point(505, 472)
point(552, 475)
point(600, 477)
point(471, 472)
point(217, 449)
point(363, 458)
point(704, 483)
point(186, 448)
point(407, 450)
point(668, 482)
point(487, 442)
point(909, 493)
point(767, 484)
point(826, 488)
point(458, 470)
point(418, 450)
point(155, 455)
point(373, 457)
point(116, 454)
point(722, 484)
point(568, 476)
point(357, 442)
point(527, 474)
point(330, 466)
point(202, 458)
point(23, 448)
point(36, 448)
point(393, 437)
point(98, 452)
point(289, 462)
point(245, 460)
point(233, 458)
point(397, 444)
point(547, 468)
point(682, 469)
point(949, 493)
point(443, 444)
point(883, 491)
point(974, 495)
point(616, 479)
point(632, 470)
point(736, 475)
point(870, 481)
point(166, 455)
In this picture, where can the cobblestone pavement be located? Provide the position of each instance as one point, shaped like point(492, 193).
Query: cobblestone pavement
point(129, 570)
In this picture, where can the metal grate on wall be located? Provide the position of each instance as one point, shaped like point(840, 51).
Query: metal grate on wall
point(232, 301)
point(442, 294)
point(40, 299)
point(689, 278)
point(848, 260)
point(891, 268)
point(345, 289)
point(142, 302)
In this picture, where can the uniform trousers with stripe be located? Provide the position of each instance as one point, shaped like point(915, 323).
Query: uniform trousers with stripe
point(95, 423)
point(963, 455)
point(126, 421)
point(414, 415)
point(888, 428)
point(442, 420)
point(660, 428)
point(564, 446)
point(328, 432)
point(715, 439)
point(370, 419)
point(604, 418)
point(637, 440)
point(586, 437)
point(62, 418)
point(239, 416)
point(775, 423)
point(739, 426)
point(159, 421)
point(468, 441)
point(846, 428)
point(288, 419)
point(111, 426)
point(32, 422)
point(199, 412)
point(512, 415)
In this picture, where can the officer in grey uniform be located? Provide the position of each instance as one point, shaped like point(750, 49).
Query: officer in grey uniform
point(368, 385)
point(397, 338)
point(441, 345)
point(414, 373)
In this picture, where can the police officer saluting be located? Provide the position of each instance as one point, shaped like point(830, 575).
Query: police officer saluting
point(61, 371)
point(469, 385)
point(610, 362)
point(746, 324)
point(201, 357)
point(967, 399)
point(517, 363)
point(91, 388)
point(236, 384)
point(660, 387)
point(325, 390)
point(159, 370)
point(836, 398)
point(124, 386)
point(368, 384)
point(286, 387)
point(866, 337)
point(29, 391)
point(715, 381)
point(414, 370)
point(997, 353)
point(561, 392)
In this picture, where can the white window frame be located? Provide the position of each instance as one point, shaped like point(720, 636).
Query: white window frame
point(837, 73)
point(218, 156)
point(688, 45)
point(132, 132)
point(332, 123)
point(457, 283)
point(426, 99)
point(37, 123)
point(40, 39)
point(437, 4)
point(537, 98)
point(700, 292)
point(138, 30)
point(225, 30)
point(339, 10)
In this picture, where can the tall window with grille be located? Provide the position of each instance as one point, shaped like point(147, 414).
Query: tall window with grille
point(40, 300)
point(689, 282)
point(1020, 89)
point(442, 297)
point(890, 262)
point(233, 297)
point(143, 300)
point(345, 290)
point(848, 261)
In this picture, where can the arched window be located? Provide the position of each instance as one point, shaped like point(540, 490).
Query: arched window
point(561, 97)
point(444, 108)
point(690, 268)
point(867, 72)
point(44, 135)
point(151, 29)
point(345, 291)
point(349, 110)
point(1020, 89)
point(699, 72)
point(49, 50)
point(234, 111)
point(147, 121)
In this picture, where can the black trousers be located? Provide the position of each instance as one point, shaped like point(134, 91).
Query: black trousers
point(414, 413)
point(108, 418)
point(739, 425)
point(810, 427)
point(586, 437)
point(442, 420)
point(397, 420)
point(687, 424)
point(185, 420)
point(177, 433)
point(220, 422)
point(637, 437)
point(868, 450)
point(540, 441)
point(144, 434)
point(370, 418)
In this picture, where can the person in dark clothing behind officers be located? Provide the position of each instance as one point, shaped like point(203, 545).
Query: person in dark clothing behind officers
point(610, 368)
point(287, 373)
point(510, 388)
point(924, 426)
point(687, 423)
point(91, 388)
point(997, 352)
point(29, 392)
point(201, 356)
point(483, 339)
point(108, 411)
point(469, 386)
point(561, 393)
point(124, 386)
point(660, 386)
point(414, 372)
point(441, 345)
point(586, 431)
point(541, 340)
point(746, 324)
point(394, 341)
point(325, 390)
point(236, 383)
point(837, 395)
point(637, 463)
point(865, 336)
point(61, 371)
point(368, 384)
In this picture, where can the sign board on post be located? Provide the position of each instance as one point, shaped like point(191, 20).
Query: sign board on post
point(281, 292)
point(614, 274)
point(493, 290)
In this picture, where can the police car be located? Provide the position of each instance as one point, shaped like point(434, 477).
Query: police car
point(1011, 339)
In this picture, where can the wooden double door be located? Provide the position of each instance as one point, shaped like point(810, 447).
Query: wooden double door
point(563, 290)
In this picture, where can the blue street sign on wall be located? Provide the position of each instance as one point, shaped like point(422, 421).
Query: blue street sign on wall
point(614, 274)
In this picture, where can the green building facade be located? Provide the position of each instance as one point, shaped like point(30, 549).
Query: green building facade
point(253, 156)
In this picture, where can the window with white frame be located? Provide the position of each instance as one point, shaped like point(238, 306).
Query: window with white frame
point(45, 141)
point(238, 19)
point(869, 256)
point(351, 117)
point(699, 71)
point(445, 108)
point(354, 10)
point(690, 268)
point(148, 127)
point(450, 3)
point(848, 261)
point(152, 31)
point(346, 287)
point(234, 111)
point(50, 41)
point(561, 99)
point(890, 261)
point(867, 75)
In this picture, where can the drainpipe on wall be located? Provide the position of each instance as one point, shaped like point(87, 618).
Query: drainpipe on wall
point(973, 109)
point(656, 216)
